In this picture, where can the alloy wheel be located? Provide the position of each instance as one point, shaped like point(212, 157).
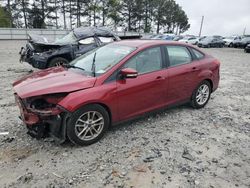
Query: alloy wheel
point(60, 63)
point(202, 94)
point(89, 125)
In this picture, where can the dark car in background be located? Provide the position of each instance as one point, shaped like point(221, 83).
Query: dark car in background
point(247, 48)
point(236, 42)
point(163, 37)
point(241, 43)
point(41, 53)
point(112, 84)
point(209, 42)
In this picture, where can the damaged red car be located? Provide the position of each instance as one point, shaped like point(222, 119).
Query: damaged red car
point(111, 84)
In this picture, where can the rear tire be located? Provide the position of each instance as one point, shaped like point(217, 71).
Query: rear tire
point(58, 61)
point(88, 125)
point(201, 95)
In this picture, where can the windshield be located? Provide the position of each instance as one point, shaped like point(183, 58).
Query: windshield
point(67, 39)
point(106, 57)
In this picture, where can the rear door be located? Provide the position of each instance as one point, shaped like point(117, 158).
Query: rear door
point(182, 73)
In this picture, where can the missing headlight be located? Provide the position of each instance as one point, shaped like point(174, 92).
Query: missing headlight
point(40, 104)
point(46, 104)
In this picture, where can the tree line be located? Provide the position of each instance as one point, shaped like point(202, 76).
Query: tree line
point(130, 15)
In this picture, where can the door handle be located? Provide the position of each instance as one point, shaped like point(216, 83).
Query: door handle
point(160, 78)
point(194, 69)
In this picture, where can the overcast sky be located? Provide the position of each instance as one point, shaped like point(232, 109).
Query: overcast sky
point(222, 17)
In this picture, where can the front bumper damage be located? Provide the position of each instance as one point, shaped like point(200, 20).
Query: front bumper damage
point(27, 55)
point(41, 125)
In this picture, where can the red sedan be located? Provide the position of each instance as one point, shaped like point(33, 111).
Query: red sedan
point(114, 83)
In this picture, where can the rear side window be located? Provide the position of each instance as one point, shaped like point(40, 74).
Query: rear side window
point(87, 41)
point(197, 54)
point(148, 60)
point(178, 55)
point(106, 39)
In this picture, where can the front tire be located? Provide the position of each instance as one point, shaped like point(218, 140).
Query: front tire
point(88, 124)
point(201, 95)
point(58, 61)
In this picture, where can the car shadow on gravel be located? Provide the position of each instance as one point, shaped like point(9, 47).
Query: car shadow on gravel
point(149, 115)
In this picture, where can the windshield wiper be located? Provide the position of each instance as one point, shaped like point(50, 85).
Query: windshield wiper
point(93, 65)
point(73, 66)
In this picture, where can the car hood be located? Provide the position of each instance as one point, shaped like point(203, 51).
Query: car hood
point(39, 39)
point(43, 43)
point(53, 80)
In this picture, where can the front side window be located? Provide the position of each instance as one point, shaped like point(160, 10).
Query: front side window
point(105, 58)
point(178, 55)
point(146, 61)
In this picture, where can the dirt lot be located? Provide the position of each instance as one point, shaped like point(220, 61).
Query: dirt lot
point(178, 147)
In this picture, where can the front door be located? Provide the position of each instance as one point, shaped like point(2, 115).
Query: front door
point(147, 91)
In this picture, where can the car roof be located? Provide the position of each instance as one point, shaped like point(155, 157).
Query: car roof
point(85, 32)
point(147, 43)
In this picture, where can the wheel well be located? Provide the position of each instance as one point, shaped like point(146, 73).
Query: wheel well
point(65, 56)
point(211, 83)
point(106, 108)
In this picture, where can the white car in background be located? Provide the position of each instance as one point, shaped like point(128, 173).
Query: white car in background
point(193, 41)
point(230, 40)
point(190, 40)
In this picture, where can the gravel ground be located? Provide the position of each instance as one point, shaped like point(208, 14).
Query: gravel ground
point(177, 147)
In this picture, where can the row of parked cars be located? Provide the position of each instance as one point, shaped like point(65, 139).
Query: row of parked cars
point(42, 53)
point(209, 41)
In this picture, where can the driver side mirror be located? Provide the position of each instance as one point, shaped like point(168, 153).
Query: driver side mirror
point(128, 73)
